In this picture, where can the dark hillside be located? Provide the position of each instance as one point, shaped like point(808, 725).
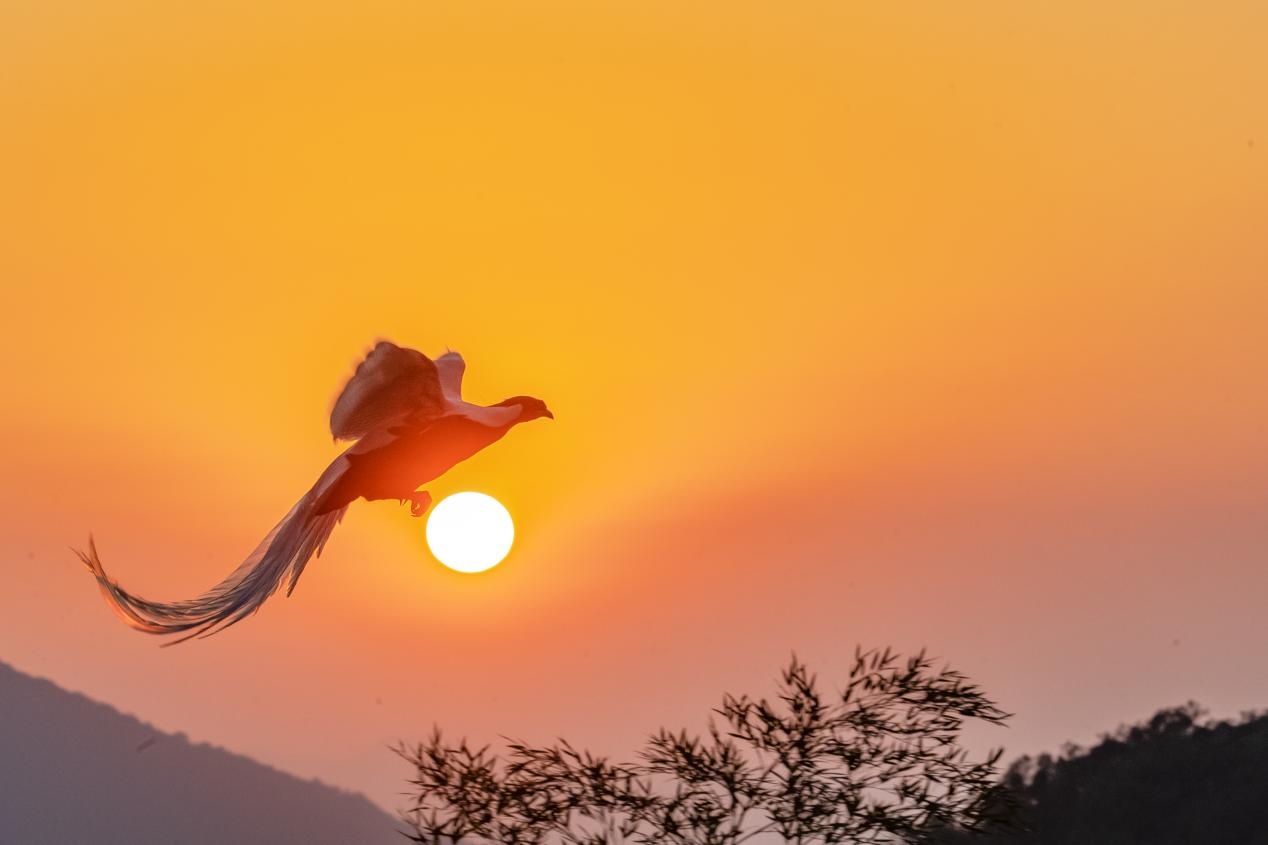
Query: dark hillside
point(1171, 780)
point(74, 770)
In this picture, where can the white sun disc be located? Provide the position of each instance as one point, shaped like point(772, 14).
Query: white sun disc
point(470, 532)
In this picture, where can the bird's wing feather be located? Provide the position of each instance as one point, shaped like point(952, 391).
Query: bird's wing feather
point(391, 385)
point(451, 367)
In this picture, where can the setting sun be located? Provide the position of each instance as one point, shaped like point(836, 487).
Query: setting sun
point(470, 532)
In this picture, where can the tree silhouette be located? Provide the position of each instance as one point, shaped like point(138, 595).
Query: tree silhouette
point(878, 761)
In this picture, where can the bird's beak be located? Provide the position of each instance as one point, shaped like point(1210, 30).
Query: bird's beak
point(549, 415)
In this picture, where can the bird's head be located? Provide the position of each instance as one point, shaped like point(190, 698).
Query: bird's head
point(530, 407)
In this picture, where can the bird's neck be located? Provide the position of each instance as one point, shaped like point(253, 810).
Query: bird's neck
point(493, 416)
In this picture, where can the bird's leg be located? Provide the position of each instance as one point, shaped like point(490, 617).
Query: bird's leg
point(419, 501)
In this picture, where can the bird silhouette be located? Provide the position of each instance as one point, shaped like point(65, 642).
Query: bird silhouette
point(411, 425)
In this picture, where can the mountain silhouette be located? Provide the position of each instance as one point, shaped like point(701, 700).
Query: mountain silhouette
point(1174, 779)
point(75, 770)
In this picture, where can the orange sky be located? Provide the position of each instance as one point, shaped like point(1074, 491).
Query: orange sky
point(863, 323)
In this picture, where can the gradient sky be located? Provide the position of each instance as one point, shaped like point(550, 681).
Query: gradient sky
point(890, 323)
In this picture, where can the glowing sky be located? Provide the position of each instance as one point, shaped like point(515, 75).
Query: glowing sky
point(893, 323)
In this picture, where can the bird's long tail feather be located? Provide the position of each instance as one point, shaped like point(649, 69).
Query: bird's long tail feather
point(281, 556)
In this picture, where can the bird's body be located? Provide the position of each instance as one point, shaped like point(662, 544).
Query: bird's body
point(411, 425)
point(407, 458)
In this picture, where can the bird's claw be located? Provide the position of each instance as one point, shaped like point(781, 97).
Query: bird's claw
point(418, 503)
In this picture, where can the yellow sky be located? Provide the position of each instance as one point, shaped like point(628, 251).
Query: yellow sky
point(897, 312)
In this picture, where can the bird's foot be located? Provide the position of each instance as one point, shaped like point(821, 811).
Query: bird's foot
point(419, 502)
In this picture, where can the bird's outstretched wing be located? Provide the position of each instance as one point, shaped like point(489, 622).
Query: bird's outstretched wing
point(392, 385)
point(451, 367)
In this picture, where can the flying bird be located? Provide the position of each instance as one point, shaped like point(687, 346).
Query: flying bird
point(411, 425)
